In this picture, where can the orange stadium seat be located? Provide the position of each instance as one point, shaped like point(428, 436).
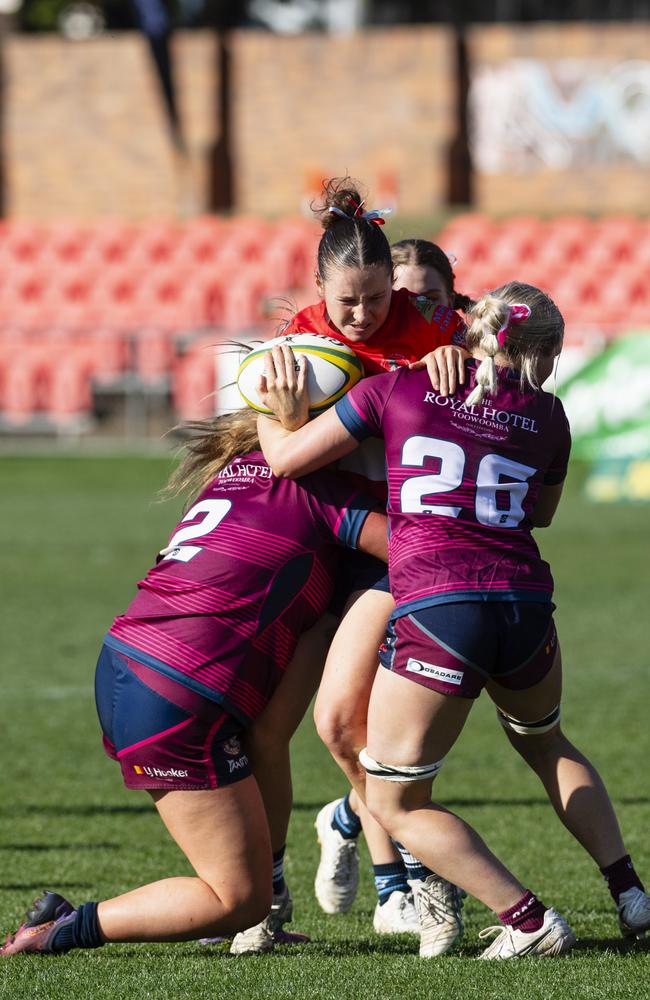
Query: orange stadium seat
point(194, 385)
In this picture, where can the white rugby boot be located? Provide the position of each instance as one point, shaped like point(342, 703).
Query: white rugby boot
point(438, 904)
point(337, 878)
point(263, 936)
point(397, 915)
point(634, 912)
point(553, 938)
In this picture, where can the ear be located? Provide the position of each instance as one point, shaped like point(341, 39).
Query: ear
point(320, 287)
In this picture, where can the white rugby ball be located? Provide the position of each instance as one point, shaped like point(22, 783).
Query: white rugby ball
point(332, 369)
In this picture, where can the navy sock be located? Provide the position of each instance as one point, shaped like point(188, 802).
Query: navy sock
point(345, 820)
point(621, 876)
point(390, 878)
point(279, 884)
point(415, 870)
point(79, 930)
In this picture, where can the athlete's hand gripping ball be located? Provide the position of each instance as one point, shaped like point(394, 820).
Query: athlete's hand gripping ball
point(283, 386)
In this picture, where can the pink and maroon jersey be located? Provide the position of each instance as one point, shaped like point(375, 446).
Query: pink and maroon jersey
point(462, 483)
point(414, 326)
point(246, 571)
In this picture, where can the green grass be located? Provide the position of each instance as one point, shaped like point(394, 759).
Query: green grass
point(76, 535)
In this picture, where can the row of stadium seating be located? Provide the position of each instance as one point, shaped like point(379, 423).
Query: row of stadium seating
point(139, 308)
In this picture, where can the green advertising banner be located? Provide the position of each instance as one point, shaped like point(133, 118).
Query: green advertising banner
point(608, 405)
point(608, 401)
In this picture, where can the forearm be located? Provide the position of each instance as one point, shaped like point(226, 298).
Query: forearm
point(297, 453)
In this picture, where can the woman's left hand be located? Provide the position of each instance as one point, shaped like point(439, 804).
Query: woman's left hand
point(446, 367)
point(283, 386)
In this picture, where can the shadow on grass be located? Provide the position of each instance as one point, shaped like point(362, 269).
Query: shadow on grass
point(28, 809)
point(620, 946)
point(460, 802)
point(60, 847)
point(39, 886)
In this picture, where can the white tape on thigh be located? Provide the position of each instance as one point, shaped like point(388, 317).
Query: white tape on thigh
point(529, 728)
point(398, 772)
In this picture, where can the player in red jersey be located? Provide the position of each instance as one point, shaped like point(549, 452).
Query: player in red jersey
point(425, 270)
point(188, 667)
point(469, 476)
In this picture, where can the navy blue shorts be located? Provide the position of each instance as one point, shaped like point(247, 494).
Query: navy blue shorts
point(357, 571)
point(163, 734)
point(457, 648)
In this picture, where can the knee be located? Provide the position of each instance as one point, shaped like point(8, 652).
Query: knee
point(337, 732)
point(244, 905)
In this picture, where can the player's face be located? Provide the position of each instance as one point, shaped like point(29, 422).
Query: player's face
point(421, 279)
point(357, 300)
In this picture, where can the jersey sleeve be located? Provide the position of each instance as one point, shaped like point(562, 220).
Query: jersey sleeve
point(557, 470)
point(339, 510)
point(361, 409)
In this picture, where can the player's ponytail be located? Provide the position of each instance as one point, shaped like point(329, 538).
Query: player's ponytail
point(353, 235)
point(211, 446)
point(521, 324)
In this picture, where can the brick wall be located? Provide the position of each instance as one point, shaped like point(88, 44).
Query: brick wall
point(560, 117)
point(85, 133)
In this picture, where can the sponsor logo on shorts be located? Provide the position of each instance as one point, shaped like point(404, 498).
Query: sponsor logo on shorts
point(160, 772)
point(445, 674)
point(236, 765)
point(232, 746)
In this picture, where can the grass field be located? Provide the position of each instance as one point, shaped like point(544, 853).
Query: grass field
point(76, 535)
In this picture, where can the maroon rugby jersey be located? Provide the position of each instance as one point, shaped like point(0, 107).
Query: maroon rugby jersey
point(246, 571)
point(462, 483)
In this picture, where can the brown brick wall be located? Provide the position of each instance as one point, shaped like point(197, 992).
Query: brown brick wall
point(599, 174)
point(85, 134)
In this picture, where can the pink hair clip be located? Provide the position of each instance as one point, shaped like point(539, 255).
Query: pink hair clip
point(517, 313)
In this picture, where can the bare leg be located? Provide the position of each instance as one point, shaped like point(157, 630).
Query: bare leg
point(380, 846)
point(574, 787)
point(269, 738)
point(225, 837)
point(443, 841)
point(342, 703)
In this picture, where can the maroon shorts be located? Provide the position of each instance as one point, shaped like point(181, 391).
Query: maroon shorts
point(163, 734)
point(457, 648)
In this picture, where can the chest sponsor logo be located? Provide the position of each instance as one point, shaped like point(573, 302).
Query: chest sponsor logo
point(445, 674)
point(482, 415)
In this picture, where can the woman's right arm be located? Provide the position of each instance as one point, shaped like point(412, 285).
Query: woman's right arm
point(302, 449)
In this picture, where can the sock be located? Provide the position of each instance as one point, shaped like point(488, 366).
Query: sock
point(526, 915)
point(415, 870)
point(621, 876)
point(79, 930)
point(390, 878)
point(345, 820)
point(279, 884)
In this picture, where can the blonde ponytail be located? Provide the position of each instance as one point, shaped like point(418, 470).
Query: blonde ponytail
point(519, 322)
point(488, 316)
point(213, 444)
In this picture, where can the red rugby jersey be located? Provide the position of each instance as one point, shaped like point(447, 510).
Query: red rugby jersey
point(414, 326)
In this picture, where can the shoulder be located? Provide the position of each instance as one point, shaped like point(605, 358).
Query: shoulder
point(418, 310)
point(311, 319)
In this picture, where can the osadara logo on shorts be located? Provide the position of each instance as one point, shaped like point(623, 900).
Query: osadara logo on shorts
point(432, 670)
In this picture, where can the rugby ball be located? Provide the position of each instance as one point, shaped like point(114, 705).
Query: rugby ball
point(332, 369)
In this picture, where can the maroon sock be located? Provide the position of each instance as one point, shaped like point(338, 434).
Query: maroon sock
point(621, 876)
point(526, 915)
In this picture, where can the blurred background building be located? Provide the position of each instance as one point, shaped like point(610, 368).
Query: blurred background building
point(157, 162)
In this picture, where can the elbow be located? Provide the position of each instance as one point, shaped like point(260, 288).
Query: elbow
point(540, 521)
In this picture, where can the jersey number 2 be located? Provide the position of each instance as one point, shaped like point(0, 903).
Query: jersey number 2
point(214, 511)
